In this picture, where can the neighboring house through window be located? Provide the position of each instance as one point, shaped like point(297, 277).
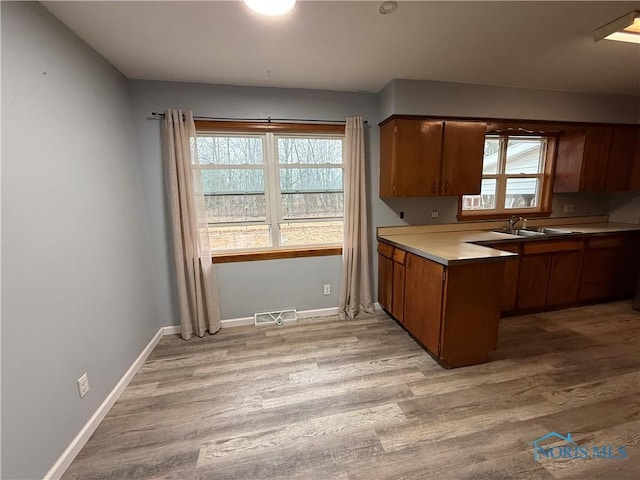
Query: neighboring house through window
point(270, 190)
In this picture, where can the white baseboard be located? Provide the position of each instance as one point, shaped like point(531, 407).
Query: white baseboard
point(172, 330)
point(58, 468)
point(320, 312)
point(237, 322)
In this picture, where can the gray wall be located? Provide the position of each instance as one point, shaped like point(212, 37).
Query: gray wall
point(246, 287)
point(413, 97)
point(76, 277)
point(624, 207)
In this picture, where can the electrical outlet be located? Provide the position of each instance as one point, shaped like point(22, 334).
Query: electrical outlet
point(83, 385)
point(435, 214)
point(327, 289)
point(567, 208)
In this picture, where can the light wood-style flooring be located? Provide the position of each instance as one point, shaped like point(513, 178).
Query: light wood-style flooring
point(359, 399)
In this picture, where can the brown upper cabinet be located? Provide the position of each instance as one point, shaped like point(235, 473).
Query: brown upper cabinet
point(621, 158)
point(421, 158)
point(634, 180)
point(596, 159)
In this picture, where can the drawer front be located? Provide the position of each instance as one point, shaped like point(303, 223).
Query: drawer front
point(553, 246)
point(399, 256)
point(616, 241)
point(385, 250)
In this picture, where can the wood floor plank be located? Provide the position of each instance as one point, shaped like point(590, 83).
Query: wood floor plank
point(591, 392)
point(305, 459)
point(284, 434)
point(289, 394)
point(431, 386)
point(360, 400)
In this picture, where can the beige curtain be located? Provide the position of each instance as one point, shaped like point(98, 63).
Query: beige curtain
point(197, 289)
point(355, 286)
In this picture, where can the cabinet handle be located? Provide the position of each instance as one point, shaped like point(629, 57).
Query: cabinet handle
point(434, 187)
point(446, 187)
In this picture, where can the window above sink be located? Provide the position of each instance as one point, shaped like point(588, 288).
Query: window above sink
point(516, 178)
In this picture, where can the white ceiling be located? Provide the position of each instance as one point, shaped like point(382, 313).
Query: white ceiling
point(350, 46)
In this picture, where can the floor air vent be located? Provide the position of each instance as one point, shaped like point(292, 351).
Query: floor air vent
point(277, 317)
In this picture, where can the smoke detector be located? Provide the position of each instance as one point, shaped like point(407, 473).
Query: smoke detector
point(387, 7)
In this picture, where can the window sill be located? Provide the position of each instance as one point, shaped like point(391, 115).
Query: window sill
point(297, 252)
point(502, 216)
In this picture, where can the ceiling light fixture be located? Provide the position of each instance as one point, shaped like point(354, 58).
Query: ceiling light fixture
point(623, 29)
point(387, 7)
point(270, 8)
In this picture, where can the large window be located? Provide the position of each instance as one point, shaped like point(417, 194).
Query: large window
point(513, 177)
point(270, 190)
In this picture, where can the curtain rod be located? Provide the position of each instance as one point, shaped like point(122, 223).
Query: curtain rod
point(158, 115)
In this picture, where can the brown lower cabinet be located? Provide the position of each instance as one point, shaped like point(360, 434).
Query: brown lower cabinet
point(385, 275)
point(454, 310)
point(610, 267)
point(511, 271)
point(549, 273)
point(391, 284)
point(397, 301)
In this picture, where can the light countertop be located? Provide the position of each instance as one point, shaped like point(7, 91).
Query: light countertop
point(455, 247)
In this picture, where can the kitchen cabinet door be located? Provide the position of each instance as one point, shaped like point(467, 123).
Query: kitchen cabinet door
point(564, 276)
point(397, 301)
point(511, 272)
point(462, 155)
point(532, 281)
point(582, 160)
point(385, 276)
point(596, 159)
point(471, 313)
point(621, 158)
point(634, 181)
point(610, 267)
point(424, 282)
point(410, 156)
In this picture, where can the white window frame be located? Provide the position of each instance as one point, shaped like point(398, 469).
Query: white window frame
point(501, 180)
point(271, 167)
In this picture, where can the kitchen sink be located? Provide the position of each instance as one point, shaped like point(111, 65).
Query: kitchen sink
point(534, 232)
point(521, 232)
point(553, 231)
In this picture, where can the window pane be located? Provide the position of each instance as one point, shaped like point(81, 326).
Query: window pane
point(310, 179)
point(309, 150)
point(525, 155)
point(311, 233)
point(219, 150)
point(521, 193)
point(491, 156)
point(239, 236)
point(310, 205)
point(485, 201)
point(243, 180)
point(235, 208)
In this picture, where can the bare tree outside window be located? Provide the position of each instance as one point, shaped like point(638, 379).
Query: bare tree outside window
point(258, 199)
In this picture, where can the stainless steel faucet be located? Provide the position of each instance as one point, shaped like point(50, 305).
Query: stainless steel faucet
point(513, 221)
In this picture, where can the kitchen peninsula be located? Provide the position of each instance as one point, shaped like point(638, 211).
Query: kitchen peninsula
point(449, 284)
